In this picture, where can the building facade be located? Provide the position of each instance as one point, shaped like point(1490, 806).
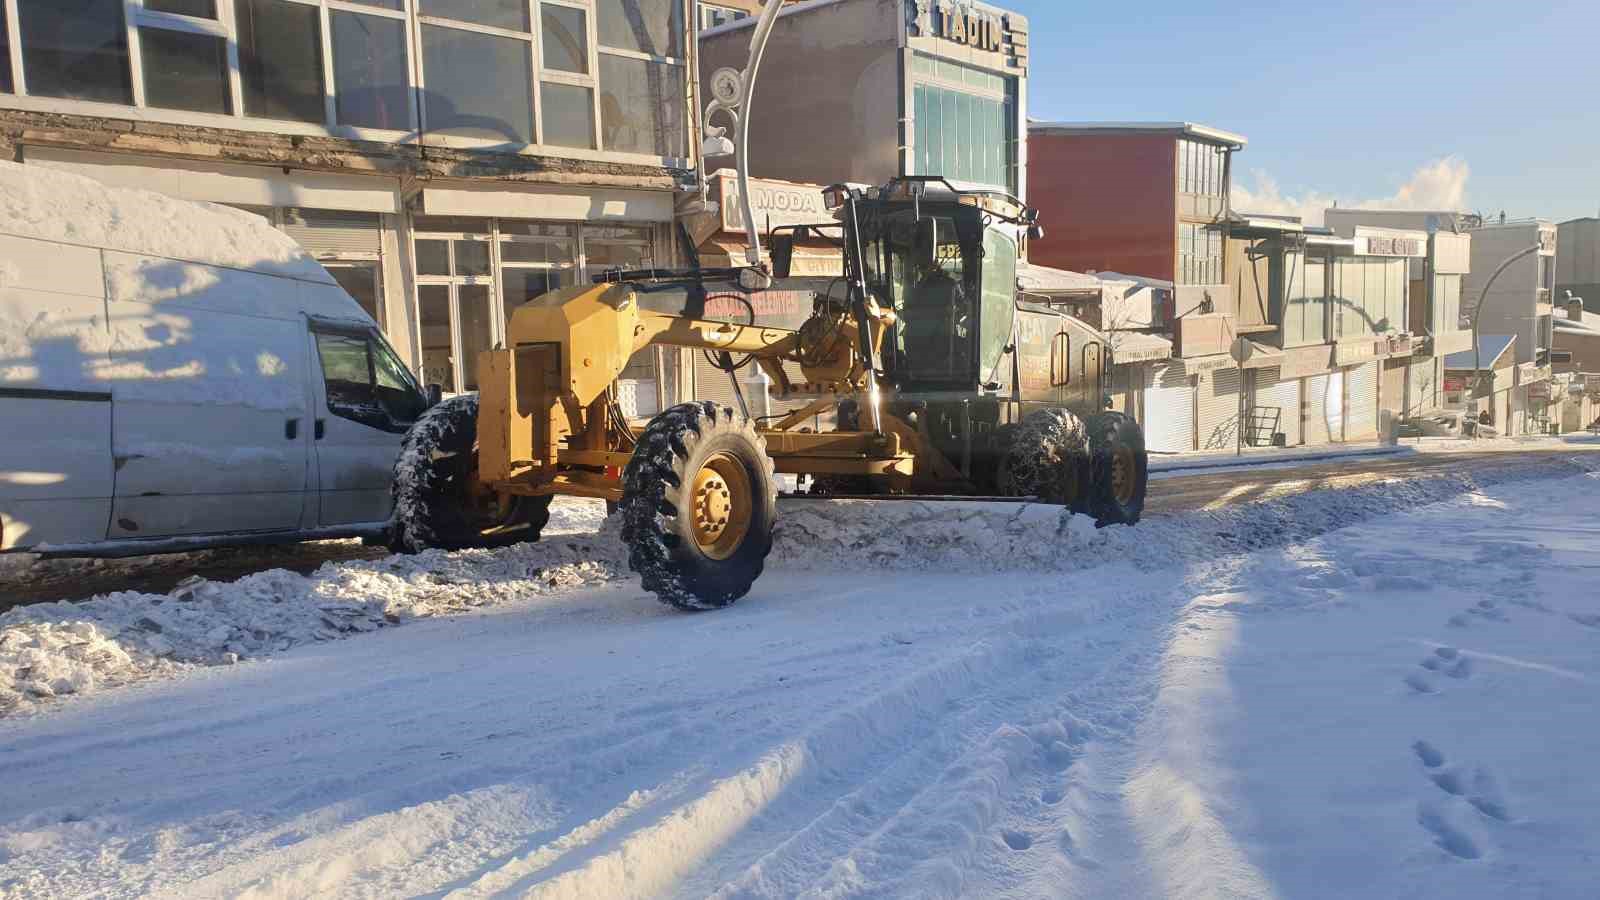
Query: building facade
point(445, 160)
point(867, 90)
point(1578, 262)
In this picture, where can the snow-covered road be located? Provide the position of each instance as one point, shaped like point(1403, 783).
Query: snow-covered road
point(1323, 696)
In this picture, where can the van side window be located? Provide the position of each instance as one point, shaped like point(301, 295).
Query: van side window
point(365, 383)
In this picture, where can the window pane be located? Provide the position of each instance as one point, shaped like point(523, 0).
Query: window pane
point(75, 49)
point(185, 71)
point(566, 38)
point(433, 257)
point(361, 283)
point(204, 9)
point(478, 85)
point(477, 330)
point(5, 57)
point(568, 115)
point(452, 224)
point(518, 286)
point(535, 229)
point(556, 252)
point(641, 106)
point(385, 4)
point(472, 257)
point(645, 26)
point(438, 365)
point(370, 72)
point(509, 14)
point(280, 60)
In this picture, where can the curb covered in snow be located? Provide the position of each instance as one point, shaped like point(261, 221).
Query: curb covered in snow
point(1265, 458)
point(55, 649)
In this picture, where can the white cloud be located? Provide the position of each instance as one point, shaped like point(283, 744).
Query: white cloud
point(1440, 184)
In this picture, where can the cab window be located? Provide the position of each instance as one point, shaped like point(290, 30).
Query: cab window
point(999, 298)
point(366, 383)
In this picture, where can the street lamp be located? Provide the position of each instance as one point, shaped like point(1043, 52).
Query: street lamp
point(1477, 361)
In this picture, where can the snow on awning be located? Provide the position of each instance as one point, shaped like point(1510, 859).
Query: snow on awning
point(1046, 280)
point(1137, 347)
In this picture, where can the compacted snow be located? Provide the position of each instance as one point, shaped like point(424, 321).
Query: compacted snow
point(1382, 691)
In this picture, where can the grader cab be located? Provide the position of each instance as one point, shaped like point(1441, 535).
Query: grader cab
point(938, 378)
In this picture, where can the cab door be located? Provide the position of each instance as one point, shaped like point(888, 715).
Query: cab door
point(365, 402)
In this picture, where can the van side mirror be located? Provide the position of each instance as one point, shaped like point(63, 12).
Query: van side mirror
point(928, 241)
point(1035, 232)
point(434, 393)
point(782, 254)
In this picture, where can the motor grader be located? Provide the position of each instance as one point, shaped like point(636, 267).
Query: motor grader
point(940, 381)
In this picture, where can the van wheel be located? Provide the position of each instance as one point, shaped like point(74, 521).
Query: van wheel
point(438, 501)
point(698, 505)
point(1121, 469)
point(1048, 458)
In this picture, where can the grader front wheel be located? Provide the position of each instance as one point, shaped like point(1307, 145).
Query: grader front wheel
point(698, 505)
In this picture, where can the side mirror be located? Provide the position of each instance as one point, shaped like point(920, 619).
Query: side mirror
point(781, 250)
point(434, 393)
point(1035, 232)
point(928, 241)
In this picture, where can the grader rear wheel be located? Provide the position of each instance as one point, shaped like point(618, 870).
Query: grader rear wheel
point(1120, 469)
point(698, 505)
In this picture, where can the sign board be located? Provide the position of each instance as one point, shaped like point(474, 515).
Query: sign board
point(1540, 391)
point(1455, 383)
point(1547, 240)
point(1591, 383)
point(1346, 353)
point(774, 202)
point(1379, 243)
point(971, 25)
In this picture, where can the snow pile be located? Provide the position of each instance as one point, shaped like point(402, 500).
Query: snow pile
point(49, 650)
point(45, 203)
point(53, 649)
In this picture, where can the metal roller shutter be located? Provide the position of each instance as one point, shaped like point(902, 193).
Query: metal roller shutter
point(1392, 389)
point(1315, 408)
point(1361, 418)
point(1169, 409)
point(1271, 391)
point(327, 232)
point(1219, 409)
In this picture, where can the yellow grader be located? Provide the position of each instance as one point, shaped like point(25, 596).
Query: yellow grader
point(938, 378)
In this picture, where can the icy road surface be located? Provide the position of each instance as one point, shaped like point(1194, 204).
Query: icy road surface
point(1382, 691)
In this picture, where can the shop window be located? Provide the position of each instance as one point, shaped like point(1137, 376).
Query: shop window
point(651, 27)
point(711, 16)
point(280, 60)
point(360, 281)
point(965, 126)
point(370, 77)
point(184, 70)
point(611, 247)
point(511, 15)
point(565, 36)
point(6, 86)
point(477, 85)
point(568, 115)
point(642, 106)
point(75, 49)
point(535, 258)
point(200, 9)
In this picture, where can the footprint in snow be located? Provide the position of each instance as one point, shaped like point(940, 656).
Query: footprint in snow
point(1481, 791)
point(1450, 837)
point(1449, 661)
point(1016, 840)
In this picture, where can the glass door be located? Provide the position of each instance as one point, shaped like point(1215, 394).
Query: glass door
point(455, 298)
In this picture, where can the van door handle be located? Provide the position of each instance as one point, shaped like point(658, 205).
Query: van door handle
point(291, 429)
point(319, 429)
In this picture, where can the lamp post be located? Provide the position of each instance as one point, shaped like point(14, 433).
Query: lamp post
point(1477, 361)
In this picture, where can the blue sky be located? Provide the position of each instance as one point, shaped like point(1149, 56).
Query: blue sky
point(1348, 100)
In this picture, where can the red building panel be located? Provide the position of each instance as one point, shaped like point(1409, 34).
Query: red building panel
point(1107, 202)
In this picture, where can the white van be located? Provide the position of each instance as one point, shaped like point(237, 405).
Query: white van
point(176, 375)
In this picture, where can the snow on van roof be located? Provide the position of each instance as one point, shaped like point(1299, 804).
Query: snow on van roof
point(60, 206)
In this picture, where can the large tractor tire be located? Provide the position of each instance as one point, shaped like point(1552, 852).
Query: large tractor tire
point(437, 499)
point(1120, 469)
point(698, 505)
point(1048, 458)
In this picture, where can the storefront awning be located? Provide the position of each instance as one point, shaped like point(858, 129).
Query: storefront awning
point(1137, 347)
point(1047, 280)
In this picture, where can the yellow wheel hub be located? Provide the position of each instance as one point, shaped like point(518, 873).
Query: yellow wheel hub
point(720, 506)
point(1123, 466)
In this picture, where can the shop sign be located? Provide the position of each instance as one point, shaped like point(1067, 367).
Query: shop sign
point(1388, 245)
point(773, 203)
point(959, 23)
point(1547, 240)
point(1455, 383)
point(1591, 383)
point(1347, 353)
point(1539, 390)
point(1401, 345)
